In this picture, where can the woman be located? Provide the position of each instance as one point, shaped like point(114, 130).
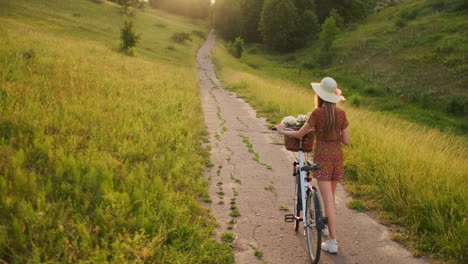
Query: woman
point(331, 129)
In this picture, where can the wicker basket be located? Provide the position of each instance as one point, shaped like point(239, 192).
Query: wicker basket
point(292, 144)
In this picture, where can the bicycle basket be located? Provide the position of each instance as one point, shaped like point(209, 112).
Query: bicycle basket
point(292, 144)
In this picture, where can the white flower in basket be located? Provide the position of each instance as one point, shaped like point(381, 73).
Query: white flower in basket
point(289, 121)
point(301, 119)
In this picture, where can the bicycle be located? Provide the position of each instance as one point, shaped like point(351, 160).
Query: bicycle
point(306, 194)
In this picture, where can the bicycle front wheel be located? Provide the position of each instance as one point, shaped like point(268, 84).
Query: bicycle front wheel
point(313, 233)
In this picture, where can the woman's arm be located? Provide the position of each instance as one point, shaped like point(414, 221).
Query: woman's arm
point(345, 136)
point(295, 134)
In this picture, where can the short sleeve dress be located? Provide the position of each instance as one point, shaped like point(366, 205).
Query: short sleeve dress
point(328, 152)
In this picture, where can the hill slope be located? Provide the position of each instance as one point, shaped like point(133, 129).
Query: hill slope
point(409, 59)
point(100, 157)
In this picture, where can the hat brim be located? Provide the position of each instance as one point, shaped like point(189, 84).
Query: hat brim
point(326, 96)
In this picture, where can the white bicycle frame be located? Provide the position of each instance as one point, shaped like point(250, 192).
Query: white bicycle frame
point(304, 186)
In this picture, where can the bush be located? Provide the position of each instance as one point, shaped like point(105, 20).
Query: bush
point(181, 37)
point(236, 48)
point(309, 65)
point(409, 15)
point(355, 100)
point(457, 106)
point(400, 23)
point(198, 33)
point(128, 37)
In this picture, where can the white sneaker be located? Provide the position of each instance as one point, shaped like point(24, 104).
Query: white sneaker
point(330, 246)
point(325, 231)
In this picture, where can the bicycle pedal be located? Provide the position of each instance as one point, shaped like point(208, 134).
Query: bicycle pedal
point(325, 220)
point(289, 218)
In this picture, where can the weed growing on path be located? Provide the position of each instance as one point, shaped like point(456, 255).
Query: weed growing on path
point(256, 155)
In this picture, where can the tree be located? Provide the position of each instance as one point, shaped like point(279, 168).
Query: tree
point(355, 10)
point(338, 18)
point(327, 36)
point(128, 37)
point(191, 8)
point(308, 20)
point(251, 10)
point(328, 33)
point(127, 4)
point(324, 7)
point(228, 18)
point(279, 24)
point(350, 10)
point(305, 5)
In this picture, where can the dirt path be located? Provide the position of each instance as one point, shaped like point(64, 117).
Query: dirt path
point(251, 187)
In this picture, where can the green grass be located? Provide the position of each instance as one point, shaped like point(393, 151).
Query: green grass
point(227, 237)
point(100, 157)
point(414, 175)
point(357, 205)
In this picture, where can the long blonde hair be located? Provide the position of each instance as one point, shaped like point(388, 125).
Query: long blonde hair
point(330, 112)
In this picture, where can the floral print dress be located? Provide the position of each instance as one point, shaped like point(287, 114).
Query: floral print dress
point(328, 152)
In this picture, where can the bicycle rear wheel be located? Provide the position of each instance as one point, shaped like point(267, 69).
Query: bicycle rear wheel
point(313, 226)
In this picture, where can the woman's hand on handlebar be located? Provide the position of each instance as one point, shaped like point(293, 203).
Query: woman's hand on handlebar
point(280, 128)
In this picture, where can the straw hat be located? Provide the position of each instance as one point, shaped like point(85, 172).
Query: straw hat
point(328, 90)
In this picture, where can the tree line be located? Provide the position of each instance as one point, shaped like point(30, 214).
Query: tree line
point(198, 9)
point(191, 8)
point(284, 25)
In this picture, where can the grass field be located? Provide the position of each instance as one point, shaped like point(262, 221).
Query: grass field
point(414, 176)
point(100, 157)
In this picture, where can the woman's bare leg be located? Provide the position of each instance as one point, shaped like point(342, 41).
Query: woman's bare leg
point(333, 186)
point(328, 200)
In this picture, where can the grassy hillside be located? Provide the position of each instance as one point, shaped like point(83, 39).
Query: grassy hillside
point(414, 176)
point(100, 157)
point(410, 59)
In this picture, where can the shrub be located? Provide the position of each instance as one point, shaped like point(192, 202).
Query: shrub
point(409, 15)
point(309, 65)
point(355, 100)
point(372, 91)
point(236, 48)
point(29, 54)
point(457, 106)
point(400, 23)
point(128, 37)
point(181, 37)
point(198, 33)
